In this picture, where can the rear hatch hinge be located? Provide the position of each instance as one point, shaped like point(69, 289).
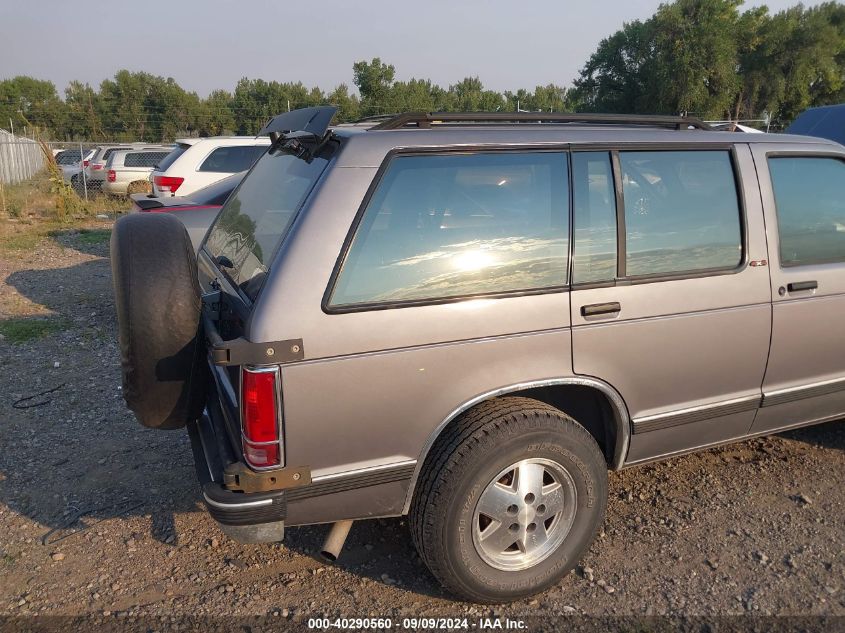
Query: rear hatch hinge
point(240, 351)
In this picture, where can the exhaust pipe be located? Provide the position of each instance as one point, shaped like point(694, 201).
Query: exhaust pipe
point(335, 540)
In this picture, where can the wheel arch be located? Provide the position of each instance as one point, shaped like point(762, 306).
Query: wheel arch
point(612, 420)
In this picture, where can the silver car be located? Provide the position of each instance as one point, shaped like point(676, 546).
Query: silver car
point(131, 168)
point(470, 319)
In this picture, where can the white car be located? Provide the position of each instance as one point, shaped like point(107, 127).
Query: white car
point(199, 162)
point(126, 167)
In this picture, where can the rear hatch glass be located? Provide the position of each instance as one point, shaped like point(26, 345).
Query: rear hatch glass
point(257, 215)
point(168, 160)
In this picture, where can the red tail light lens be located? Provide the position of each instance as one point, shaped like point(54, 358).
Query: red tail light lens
point(259, 418)
point(85, 163)
point(95, 166)
point(111, 175)
point(168, 182)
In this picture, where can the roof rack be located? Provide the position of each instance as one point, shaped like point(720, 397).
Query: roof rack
point(429, 119)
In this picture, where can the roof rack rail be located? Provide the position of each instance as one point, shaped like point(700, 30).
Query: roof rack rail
point(428, 119)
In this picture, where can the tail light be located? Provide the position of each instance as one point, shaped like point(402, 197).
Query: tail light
point(96, 166)
point(85, 163)
point(171, 183)
point(261, 417)
point(111, 176)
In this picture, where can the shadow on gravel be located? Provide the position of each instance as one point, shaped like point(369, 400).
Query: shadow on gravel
point(90, 241)
point(76, 456)
point(827, 435)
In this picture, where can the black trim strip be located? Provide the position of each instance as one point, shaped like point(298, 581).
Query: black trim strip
point(621, 235)
point(351, 482)
point(698, 415)
point(803, 393)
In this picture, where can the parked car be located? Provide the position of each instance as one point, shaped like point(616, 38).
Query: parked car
point(197, 212)
point(470, 318)
point(824, 122)
point(128, 171)
point(95, 171)
point(71, 162)
point(199, 162)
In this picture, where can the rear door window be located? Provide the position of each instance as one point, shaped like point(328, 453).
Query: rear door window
point(232, 159)
point(594, 218)
point(810, 201)
point(441, 226)
point(682, 212)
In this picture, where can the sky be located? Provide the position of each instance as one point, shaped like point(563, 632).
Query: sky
point(209, 44)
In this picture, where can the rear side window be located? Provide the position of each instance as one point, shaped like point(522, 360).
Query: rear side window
point(143, 159)
point(168, 160)
point(256, 217)
point(594, 198)
point(232, 159)
point(111, 151)
point(681, 212)
point(441, 226)
point(810, 201)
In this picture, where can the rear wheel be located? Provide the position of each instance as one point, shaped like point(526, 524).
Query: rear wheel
point(509, 500)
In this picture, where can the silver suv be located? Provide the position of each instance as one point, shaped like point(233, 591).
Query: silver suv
point(470, 319)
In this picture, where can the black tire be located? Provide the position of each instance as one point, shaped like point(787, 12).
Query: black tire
point(157, 299)
point(462, 465)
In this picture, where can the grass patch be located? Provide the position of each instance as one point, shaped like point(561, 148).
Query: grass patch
point(23, 330)
point(93, 236)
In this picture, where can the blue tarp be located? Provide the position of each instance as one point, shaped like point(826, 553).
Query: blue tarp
point(824, 122)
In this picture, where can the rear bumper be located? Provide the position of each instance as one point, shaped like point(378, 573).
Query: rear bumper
point(257, 517)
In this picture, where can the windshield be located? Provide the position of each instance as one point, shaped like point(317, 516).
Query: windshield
point(257, 215)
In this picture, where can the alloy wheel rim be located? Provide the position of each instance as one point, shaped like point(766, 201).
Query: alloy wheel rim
point(524, 514)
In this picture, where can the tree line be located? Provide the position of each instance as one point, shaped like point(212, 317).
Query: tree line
point(701, 57)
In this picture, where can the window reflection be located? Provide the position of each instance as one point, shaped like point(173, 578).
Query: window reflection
point(444, 226)
point(681, 212)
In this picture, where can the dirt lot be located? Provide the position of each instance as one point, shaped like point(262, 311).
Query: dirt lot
point(100, 516)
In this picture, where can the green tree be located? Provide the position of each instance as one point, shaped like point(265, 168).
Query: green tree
point(30, 104)
point(374, 81)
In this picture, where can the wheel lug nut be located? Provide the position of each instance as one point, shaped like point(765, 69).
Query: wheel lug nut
point(541, 509)
point(512, 509)
point(529, 498)
point(514, 527)
point(531, 527)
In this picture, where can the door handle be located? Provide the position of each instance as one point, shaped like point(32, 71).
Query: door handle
point(802, 285)
point(595, 309)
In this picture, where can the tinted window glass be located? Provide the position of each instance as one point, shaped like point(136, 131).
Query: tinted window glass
point(256, 217)
point(168, 160)
point(681, 212)
point(232, 159)
point(111, 151)
point(810, 200)
point(143, 159)
point(217, 193)
point(595, 218)
point(68, 157)
point(445, 226)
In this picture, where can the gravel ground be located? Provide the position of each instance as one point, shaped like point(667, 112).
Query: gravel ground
point(99, 516)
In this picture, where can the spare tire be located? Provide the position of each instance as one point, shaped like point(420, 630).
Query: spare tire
point(157, 298)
